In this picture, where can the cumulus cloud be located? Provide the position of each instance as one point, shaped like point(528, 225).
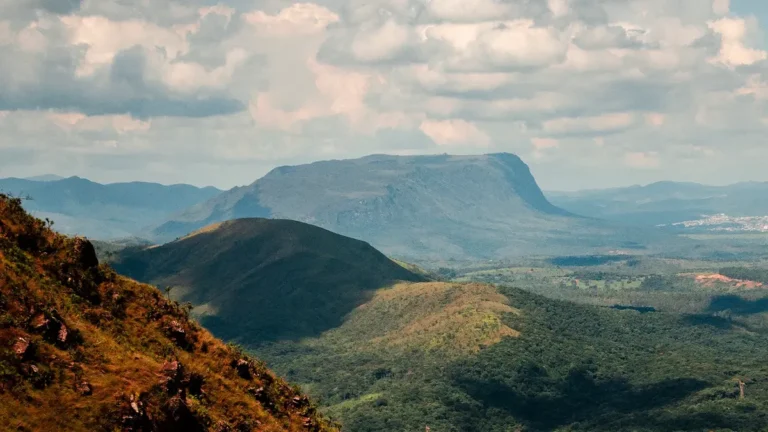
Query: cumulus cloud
point(248, 84)
point(453, 132)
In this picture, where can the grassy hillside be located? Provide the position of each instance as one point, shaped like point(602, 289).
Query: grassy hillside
point(83, 349)
point(256, 280)
point(418, 207)
point(466, 357)
point(106, 211)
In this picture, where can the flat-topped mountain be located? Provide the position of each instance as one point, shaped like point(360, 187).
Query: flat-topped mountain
point(259, 280)
point(440, 207)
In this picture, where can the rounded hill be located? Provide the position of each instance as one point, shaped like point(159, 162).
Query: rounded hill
point(261, 280)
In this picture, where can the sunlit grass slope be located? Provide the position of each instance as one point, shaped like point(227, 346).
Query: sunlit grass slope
point(82, 349)
point(471, 358)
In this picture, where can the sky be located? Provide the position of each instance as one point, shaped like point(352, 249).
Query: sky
point(590, 93)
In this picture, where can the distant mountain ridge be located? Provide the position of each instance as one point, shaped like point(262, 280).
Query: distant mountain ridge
point(411, 206)
point(666, 202)
point(103, 211)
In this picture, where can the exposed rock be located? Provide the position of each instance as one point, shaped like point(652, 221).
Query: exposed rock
point(39, 322)
point(22, 348)
point(173, 376)
point(62, 334)
point(243, 368)
point(84, 388)
point(300, 401)
point(86, 253)
point(178, 334)
point(134, 417)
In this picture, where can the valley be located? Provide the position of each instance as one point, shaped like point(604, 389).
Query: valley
point(588, 342)
point(447, 292)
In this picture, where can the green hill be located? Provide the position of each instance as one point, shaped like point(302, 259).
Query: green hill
point(83, 349)
point(469, 358)
point(417, 207)
point(256, 280)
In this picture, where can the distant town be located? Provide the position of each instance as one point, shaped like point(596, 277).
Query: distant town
point(723, 222)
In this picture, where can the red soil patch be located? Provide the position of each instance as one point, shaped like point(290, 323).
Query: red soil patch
point(711, 279)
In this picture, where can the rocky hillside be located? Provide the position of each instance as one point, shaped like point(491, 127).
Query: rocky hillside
point(423, 207)
point(83, 349)
point(258, 280)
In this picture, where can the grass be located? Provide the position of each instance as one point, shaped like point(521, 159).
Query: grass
point(79, 345)
point(558, 366)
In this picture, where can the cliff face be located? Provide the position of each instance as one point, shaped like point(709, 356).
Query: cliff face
point(416, 206)
point(82, 348)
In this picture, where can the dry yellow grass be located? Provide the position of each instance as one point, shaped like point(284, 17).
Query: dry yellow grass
point(206, 229)
point(450, 318)
point(118, 337)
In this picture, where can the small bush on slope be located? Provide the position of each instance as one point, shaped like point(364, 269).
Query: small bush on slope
point(84, 349)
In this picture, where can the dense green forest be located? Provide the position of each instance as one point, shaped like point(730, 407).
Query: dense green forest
point(572, 367)
point(746, 273)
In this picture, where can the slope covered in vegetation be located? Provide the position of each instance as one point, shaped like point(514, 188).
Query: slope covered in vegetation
point(471, 358)
point(83, 349)
point(255, 280)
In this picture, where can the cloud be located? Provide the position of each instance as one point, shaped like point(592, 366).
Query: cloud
point(598, 124)
point(453, 132)
point(643, 160)
point(733, 51)
point(248, 84)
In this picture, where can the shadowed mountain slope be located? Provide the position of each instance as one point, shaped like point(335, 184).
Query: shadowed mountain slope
point(264, 279)
point(423, 207)
point(83, 349)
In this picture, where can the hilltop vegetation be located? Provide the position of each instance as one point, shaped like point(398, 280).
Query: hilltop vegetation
point(83, 349)
point(255, 280)
point(418, 207)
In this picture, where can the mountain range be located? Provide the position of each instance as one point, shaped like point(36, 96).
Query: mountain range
point(417, 207)
point(103, 211)
point(666, 202)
